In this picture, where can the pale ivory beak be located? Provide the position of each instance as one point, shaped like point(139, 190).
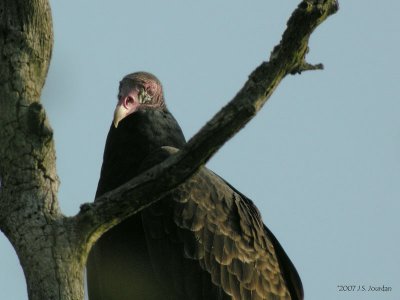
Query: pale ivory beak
point(120, 112)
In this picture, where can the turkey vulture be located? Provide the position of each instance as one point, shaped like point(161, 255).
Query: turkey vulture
point(203, 241)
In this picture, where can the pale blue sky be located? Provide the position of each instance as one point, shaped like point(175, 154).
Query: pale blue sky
point(321, 160)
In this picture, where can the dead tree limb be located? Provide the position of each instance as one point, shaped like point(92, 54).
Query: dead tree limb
point(53, 248)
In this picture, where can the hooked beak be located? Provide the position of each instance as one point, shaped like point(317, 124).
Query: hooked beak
point(120, 112)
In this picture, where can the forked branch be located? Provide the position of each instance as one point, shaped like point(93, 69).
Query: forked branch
point(288, 57)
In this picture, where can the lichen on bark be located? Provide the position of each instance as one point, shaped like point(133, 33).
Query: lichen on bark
point(52, 248)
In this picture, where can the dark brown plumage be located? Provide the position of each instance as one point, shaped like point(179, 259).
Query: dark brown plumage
point(205, 240)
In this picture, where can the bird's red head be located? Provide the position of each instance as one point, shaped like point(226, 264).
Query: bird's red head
point(138, 90)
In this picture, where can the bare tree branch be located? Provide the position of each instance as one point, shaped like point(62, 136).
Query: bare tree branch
point(52, 248)
point(288, 57)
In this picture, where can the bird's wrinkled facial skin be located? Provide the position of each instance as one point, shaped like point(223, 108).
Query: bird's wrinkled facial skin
point(129, 100)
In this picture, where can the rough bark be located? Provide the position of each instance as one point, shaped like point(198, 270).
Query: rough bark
point(29, 211)
point(52, 249)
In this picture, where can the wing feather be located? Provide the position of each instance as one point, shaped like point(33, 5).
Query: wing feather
point(221, 232)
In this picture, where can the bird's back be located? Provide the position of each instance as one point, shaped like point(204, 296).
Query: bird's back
point(119, 267)
point(203, 241)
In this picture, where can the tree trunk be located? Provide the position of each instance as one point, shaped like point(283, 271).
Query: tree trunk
point(29, 211)
point(52, 248)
